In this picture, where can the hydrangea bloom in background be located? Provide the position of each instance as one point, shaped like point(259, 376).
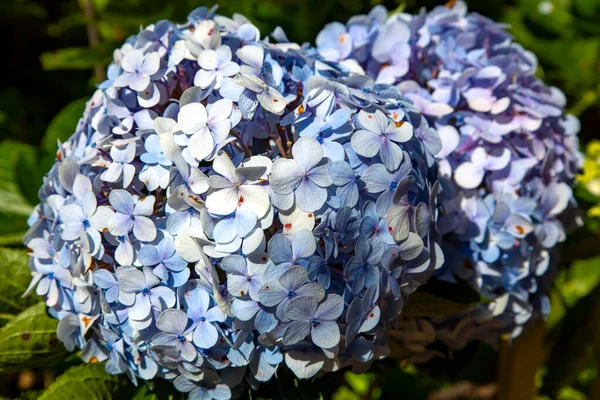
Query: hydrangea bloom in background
point(507, 152)
point(227, 204)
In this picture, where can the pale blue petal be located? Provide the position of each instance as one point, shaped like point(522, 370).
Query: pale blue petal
point(280, 249)
point(205, 335)
point(325, 334)
point(265, 321)
point(304, 245)
point(302, 308)
point(141, 308)
point(122, 201)
point(172, 321)
point(309, 196)
point(244, 310)
point(295, 332)
point(293, 278)
point(331, 308)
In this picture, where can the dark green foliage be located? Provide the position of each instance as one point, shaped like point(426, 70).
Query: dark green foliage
point(14, 279)
point(29, 341)
point(86, 382)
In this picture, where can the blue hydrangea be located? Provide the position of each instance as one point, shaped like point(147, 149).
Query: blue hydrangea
point(236, 203)
point(505, 152)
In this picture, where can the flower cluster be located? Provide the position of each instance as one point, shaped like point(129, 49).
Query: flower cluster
point(227, 204)
point(506, 152)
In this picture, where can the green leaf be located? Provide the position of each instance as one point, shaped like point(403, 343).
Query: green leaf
point(158, 389)
point(588, 8)
point(31, 165)
point(569, 393)
point(30, 395)
point(14, 279)
point(574, 341)
point(29, 340)
point(144, 393)
point(100, 5)
point(424, 304)
point(345, 393)
point(13, 202)
point(410, 382)
point(359, 383)
point(63, 125)
point(15, 205)
point(583, 195)
point(572, 284)
point(554, 20)
point(12, 228)
point(92, 382)
point(88, 382)
point(75, 58)
point(29, 174)
point(581, 278)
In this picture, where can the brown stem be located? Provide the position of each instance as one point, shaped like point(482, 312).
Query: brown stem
point(181, 78)
point(241, 145)
point(92, 34)
point(519, 360)
point(277, 141)
point(595, 386)
point(286, 136)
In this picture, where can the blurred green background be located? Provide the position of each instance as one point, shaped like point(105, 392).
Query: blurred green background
point(56, 52)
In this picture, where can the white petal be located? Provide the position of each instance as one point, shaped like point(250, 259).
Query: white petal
point(222, 202)
point(468, 175)
point(208, 60)
point(307, 153)
point(201, 145)
point(251, 55)
point(192, 117)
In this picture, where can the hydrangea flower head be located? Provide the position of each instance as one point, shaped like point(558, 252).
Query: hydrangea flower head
point(505, 151)
point(235, 203)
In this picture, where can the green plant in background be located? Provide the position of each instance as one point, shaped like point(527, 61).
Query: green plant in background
point(74, 39)
point(590, 176)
